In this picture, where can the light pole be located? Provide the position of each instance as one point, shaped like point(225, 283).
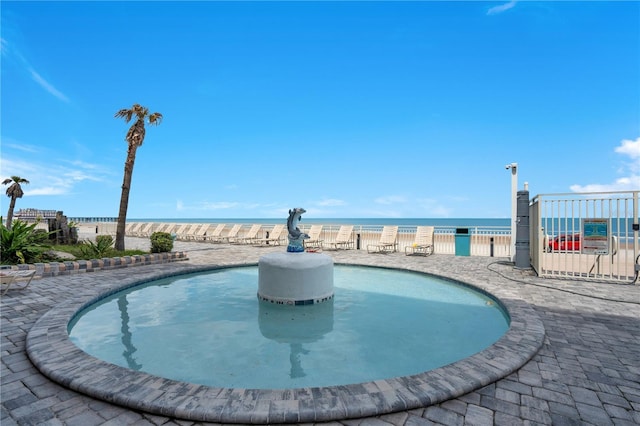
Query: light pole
point(514, 203)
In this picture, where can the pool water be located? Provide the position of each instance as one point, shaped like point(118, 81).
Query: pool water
point(210, 328)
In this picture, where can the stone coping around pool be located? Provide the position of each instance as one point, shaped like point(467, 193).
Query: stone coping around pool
point(78, 266)
point(52, 352)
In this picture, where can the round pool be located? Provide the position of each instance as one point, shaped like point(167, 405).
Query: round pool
point(210, 329)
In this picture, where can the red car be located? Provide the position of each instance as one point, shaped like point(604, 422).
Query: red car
point(565, 242)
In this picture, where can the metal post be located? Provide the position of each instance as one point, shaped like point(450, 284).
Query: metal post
point(514, 204)
point(636, 229)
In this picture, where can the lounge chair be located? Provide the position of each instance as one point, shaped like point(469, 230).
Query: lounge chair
point(131, 229)
point(188, 230)
point(232, 236)
point(199, 233)
point(145, 230)
point(423, 242)
point(163, 227)
point(275, 238)
point(9, 277)
point(313, 242)
point(170, 228)
point(388, 241)
point(343, 239)
point(181, 230)
point(250, 236)
point(215, 235)
point(160, 228)
point(127, 228)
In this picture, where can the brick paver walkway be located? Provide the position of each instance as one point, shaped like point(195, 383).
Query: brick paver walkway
point(587, 371)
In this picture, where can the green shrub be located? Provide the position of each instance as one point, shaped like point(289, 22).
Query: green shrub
point(103, 247)
point(23, 243)
point(76, 250)
point(104, 240)
point(161, 242)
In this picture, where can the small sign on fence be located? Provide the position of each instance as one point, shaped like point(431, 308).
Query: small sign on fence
point(595, 236)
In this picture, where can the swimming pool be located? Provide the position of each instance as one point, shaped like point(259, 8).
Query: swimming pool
point(210, 329)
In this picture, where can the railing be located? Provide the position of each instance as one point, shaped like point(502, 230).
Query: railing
point(92, 219)
point(29, 213)
point(485, 241)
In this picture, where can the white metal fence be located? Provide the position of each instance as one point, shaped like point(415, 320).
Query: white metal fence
point(564, 243)
point(484, 240)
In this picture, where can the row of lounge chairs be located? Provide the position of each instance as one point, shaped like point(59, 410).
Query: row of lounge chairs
point(422, 244)
point(388, 242)
point(209, 232)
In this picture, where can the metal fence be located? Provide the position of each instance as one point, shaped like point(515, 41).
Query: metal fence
point(484, 240)
point(589, 236)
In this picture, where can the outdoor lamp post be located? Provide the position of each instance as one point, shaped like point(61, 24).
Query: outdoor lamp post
point(514, 203)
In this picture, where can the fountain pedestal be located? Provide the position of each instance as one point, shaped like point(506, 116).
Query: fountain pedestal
point(295, 278)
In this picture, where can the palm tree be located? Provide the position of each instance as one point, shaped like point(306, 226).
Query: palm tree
point(14, 191)
point(135, 137)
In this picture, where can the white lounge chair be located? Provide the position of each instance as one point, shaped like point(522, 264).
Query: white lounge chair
point(250, 236)
point(171, 228)
point(232, 236)
point(131, 229)
point(183, 233)
point(9, 277)
point(215, 235)
point(181, 230)
point(145, 230)
point(422, 243)
point(313, 242)
point(275, 238)
point(199, 233)
point(163, 227)
point(388, 241)
point(343, 239)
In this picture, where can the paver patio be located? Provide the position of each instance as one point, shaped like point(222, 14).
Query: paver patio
point(587, 371)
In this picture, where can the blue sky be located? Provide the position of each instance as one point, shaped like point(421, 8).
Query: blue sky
point(348, 109)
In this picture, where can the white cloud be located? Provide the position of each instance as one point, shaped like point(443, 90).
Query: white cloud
point(205, 205)
point(220, 205)
point(45, 190)
point(47, 86)
point(630, 182)
point(11, 53)
point(79, 176)
point(84, 165)
point(330, 202)
point(432, 208)
point(10, 143)
point(391, 199)
point(51, 178)
point(630, 148)
point(502, 8)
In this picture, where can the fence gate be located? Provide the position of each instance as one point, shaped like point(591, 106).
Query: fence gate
point(589, 235)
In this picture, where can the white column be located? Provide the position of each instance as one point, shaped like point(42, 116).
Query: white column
point(514, 206)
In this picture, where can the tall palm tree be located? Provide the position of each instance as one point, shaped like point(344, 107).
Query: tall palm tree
point(14, 191)
point(135, 137)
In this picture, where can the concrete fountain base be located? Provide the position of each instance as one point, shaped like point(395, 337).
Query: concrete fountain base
point(295, 278)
